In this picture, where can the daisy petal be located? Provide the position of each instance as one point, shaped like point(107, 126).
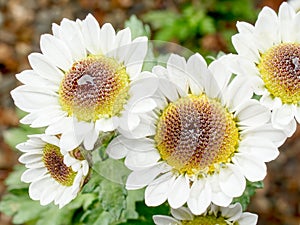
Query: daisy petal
point(179, 192)
point(232, 181)
point(252, 168)
point(157, 191)
point(56, 52)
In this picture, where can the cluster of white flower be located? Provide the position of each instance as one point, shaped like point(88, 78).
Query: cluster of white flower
point(192, 134)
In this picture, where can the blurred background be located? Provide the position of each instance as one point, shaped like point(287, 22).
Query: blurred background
point(203, 26)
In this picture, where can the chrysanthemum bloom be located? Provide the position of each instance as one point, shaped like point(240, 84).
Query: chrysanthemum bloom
point(230, 215)
point(208, 136)
point(84, 82)
point(269, 54)
point(53, 176)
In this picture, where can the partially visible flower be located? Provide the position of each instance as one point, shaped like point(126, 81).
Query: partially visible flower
point(205, 138)
point(269, 55)
point(84, 82)
point(53, 176)
point(214, 215)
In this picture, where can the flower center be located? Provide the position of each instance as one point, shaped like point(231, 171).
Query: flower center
point(54, 162)
point(280, 71)
point(195, 134)
point(95, 87)
point(206, 220)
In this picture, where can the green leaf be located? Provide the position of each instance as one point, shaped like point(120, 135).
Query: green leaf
point(112, 197)
point(133, 196)
point(113, 170)
point(137, 27)
point(21, 207)
point(248, 193)
point(15, 136)
point(13, 181)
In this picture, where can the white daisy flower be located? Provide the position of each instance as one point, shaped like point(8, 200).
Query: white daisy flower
point(230, 215)
point(84, 82)
point(269, 54)
point(53, 176)
point(207, 137)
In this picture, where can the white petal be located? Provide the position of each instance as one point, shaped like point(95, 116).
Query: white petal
point(248, 219)
point(252, 113)
point(232, 181)
point(72, 37)
point(143, 106)
point(252, 168)
point(200, 197)
point(237, 92)
point(165, 220)
point(179, 192)
point(267, 26)
point(268, 132)
point(41, 66)
point(196, 67)
point(135, 160)
point(182, 213)
point(108, 36)
point(90, 139)
point(142, 88)
point(168, 89)
point(141, 178)
point(244, 27)
point(243, 46)
point(47, 116)
point(31, 78)
point(91, 34)
point(123, 39)
point(282, 116)
point(218, 196)
point(129, 121)
point(157, 191)
point(259, 147)
point(31, 175)
point(232, 212)
point(286, 14)
point(220, 73)
point(135, 56)
point(29, 99)
point(69, 141)
point(31, 157)
point(106, 124)
point(36, 187)
point(176, 67)
point(56, 51)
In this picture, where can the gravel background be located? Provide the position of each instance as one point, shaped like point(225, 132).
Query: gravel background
point(21, 24)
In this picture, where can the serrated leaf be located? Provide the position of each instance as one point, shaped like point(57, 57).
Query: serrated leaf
point(133, 196)
point(112, 170)
point(137, 27)
point(112, 197)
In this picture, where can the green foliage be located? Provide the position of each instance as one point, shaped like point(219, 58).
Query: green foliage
point(137, 27)
point(189, 22)
point(248, 193)
point(101, 201)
